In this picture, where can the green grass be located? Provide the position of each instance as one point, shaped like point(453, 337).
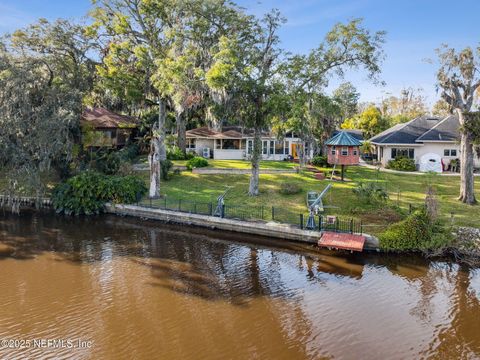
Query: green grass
point(231, 164)
point(403, 189)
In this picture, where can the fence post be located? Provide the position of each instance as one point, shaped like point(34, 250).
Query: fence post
point(409, 208)
point(361, 227)
point(263, 217)
point(301, 221)
point(165, 203)
point(319, 222)
point(150, 202)
point(336, 224)
point(210, 209)
point(351, 226)
point(194, 207)
point(223, 211)
point(273, 213)
point(179, 204)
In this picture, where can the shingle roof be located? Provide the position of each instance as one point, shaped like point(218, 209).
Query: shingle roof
point(343, 138)
point(406, 133)
point(106, 119)
point(228, 132)
point(445, 130)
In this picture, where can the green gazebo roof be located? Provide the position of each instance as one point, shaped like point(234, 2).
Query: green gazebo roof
point(343, 138)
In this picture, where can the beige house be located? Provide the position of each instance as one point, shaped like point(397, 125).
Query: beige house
point(422, 139)
point(104, 128)
point(236, 143)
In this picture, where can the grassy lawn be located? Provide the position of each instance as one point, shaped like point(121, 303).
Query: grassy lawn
point(403, 190)
point(231, 164)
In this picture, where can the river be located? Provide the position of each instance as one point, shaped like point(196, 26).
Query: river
point(122, 288)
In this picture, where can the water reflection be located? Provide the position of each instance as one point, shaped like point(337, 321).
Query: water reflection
point(148, 290)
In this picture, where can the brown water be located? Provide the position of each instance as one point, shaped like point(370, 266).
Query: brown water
point(143, 290)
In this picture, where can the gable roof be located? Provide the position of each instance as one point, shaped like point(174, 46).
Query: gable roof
point(105, 119)
point(445, 130)
point(406, 133)
point(343, 138)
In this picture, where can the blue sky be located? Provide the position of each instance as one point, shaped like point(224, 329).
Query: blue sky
point(414, 30)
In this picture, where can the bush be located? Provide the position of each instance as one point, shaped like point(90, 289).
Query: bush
point(289, 189)
point(129, 152)
point(402, 164)
point(196, 162)
point(174, 153)
point(165, 167)
point(320, 160)
point(413, 233)
point(104, 161)
point(88, 192)
point(370, 192)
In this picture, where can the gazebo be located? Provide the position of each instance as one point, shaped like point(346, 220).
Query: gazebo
point(343, 149)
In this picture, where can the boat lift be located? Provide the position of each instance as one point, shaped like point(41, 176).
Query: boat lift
point(220, 208)
point(316, 207)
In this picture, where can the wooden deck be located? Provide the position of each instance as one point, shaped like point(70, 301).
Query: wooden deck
point(333, 240)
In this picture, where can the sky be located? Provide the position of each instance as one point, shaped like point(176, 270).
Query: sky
point(415, 28)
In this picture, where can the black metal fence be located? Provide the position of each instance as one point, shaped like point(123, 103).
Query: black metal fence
point(256, 213)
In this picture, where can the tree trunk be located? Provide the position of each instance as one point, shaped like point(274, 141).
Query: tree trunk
point(467, 191)
point(157, 151)
point(302, 154)
point(256, 155)
point(181, 131)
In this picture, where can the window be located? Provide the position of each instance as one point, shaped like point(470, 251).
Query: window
point(355, 152)
point(231, 144)
point(279, 147)
point(403, 152)
point(272, 147)
point(450, 152)
point(190, 143)
point(218, 144)
point(344, 151)
point(334, 151)
point(286, 148)
point(249, 146)
point(265, 147)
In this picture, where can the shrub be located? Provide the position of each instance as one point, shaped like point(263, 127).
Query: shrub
point(174, 153)
point(88, 192)
point(320, 160)
point(370, 192)
point(402, 164)
point(413, 233)
point(289, 189)
point(196, 162)
point(165, 167)
point(129, 152)
point(104, 161)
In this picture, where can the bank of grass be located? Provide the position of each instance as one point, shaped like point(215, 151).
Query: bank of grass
point(403, 189)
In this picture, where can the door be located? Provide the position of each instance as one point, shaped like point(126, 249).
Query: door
point(294, 151)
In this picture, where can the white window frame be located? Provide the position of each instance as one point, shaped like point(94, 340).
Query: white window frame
point(334, 150)
point(344, 151)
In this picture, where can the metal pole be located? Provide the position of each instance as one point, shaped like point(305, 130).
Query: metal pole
point(273, 213)
point(320, 223)
point(351, 226)
point(301, 221)
point(223, 211)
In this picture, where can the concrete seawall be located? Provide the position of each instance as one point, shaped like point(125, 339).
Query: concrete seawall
point(268, 229)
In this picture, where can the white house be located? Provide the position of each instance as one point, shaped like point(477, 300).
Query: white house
point(236, 143)
point(423, 139)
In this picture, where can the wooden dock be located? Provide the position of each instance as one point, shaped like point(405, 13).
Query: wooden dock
point(335, 240)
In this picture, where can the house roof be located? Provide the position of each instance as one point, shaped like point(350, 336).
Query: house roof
point(406, 133)
point(228, 132)
point(445, 130)
point(102, 118)
point(343, 138)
